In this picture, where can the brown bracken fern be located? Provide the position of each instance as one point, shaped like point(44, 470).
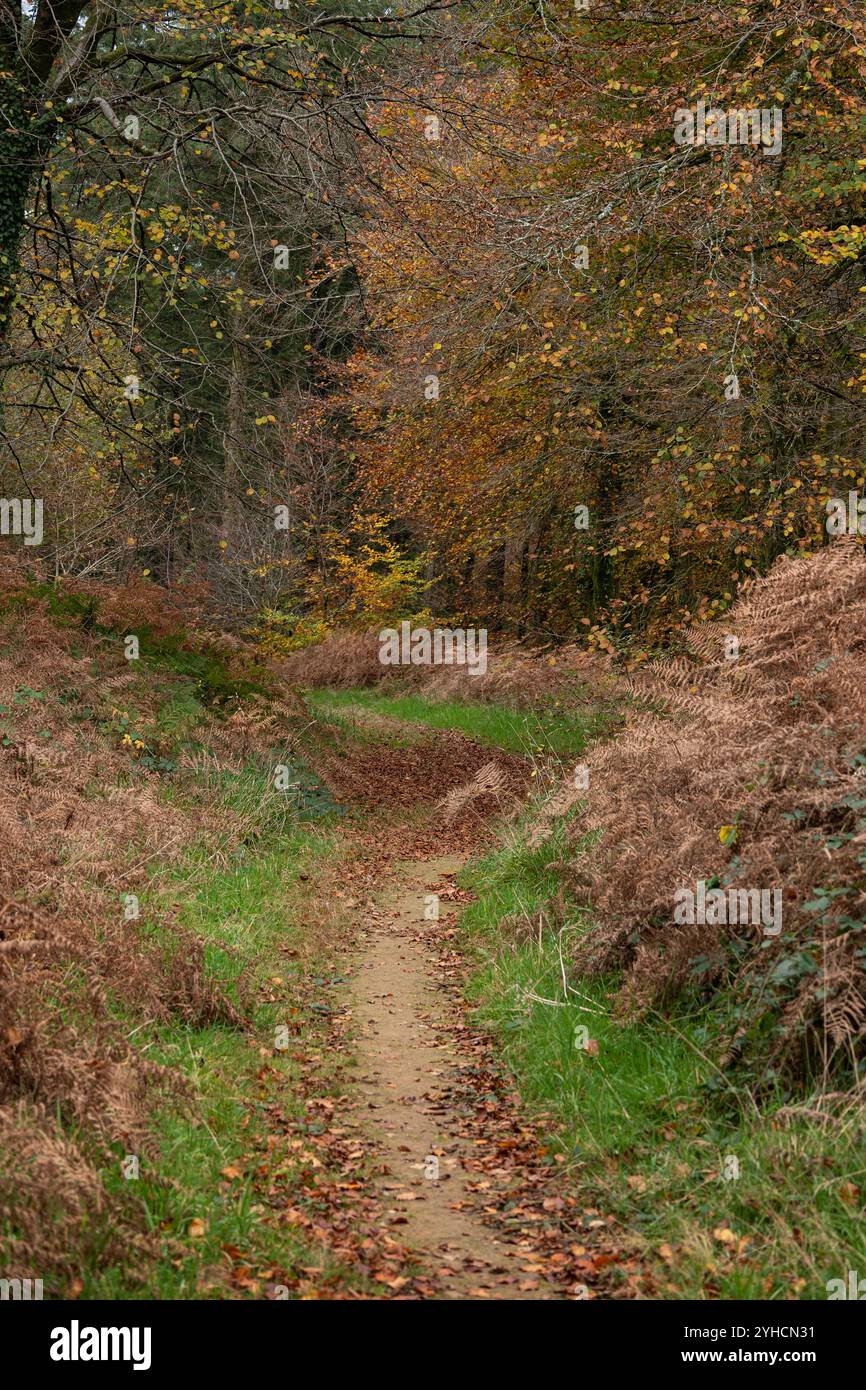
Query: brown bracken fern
point(749, 769)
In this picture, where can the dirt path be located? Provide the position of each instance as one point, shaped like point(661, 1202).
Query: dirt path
point(409, 1066)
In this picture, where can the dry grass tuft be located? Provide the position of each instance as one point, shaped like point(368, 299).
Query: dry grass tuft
point(350, 660)
point(63, 1221)
point(344, 660)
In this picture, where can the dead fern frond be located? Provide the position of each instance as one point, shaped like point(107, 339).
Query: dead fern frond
point(489, 780)
point(554, 808)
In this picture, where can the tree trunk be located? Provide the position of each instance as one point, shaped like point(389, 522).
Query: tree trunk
point(27, 126)
point(479, 584)
point(24, 146)
point(512, 580)
point(233, 434)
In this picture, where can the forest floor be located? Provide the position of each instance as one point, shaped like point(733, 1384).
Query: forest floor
point(564, 1171)
point(264, 1079)
point(465, 1181)
point(341, 1051)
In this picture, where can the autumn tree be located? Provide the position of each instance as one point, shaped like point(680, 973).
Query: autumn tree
point(173, 222)
point(646, 351)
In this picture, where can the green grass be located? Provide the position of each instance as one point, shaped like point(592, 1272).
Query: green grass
point(241, 896)
point(526, 732)
point(240, 909)
point(643, 1119)
point(218, 1164)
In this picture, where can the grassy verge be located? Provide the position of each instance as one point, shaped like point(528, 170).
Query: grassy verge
point(709, 1191)
point(164, 1082)
point(200, 1186)
point(526, 732)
